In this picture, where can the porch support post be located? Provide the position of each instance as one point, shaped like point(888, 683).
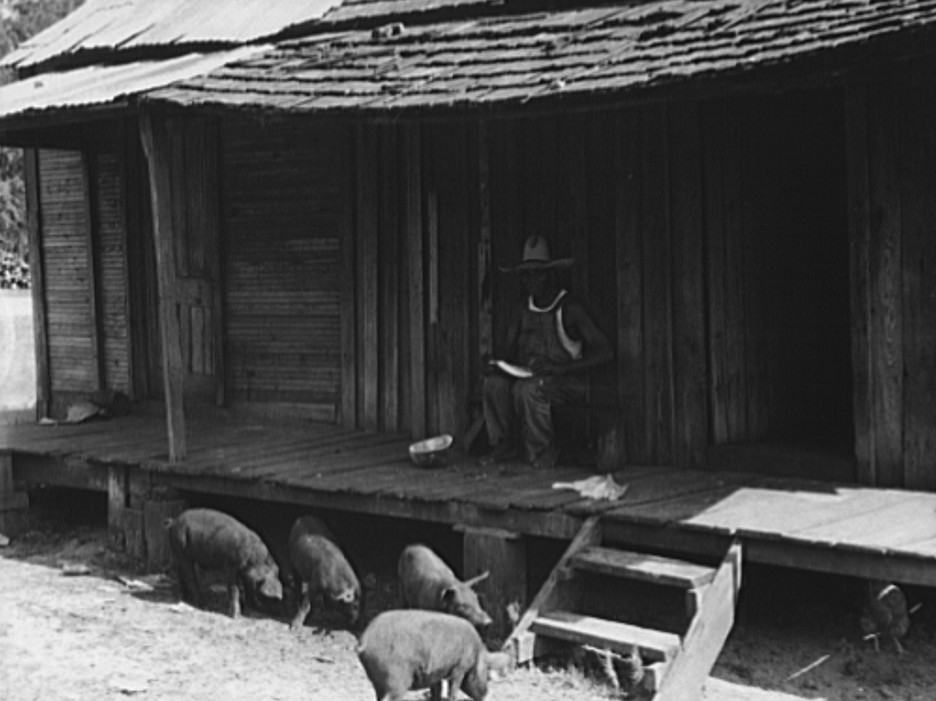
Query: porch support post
point(14, 505)
point(157, 133)
point(37, 272)
point(503, 554)
point(485, 293)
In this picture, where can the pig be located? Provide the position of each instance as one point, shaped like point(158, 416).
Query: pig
point(426, 582)
point(402, 650)
point(321, 571)
point(884, 613)
point(216, 541)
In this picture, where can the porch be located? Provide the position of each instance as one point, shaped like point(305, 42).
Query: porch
point(806, 524)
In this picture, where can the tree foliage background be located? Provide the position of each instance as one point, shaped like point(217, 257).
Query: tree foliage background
point(19, 20)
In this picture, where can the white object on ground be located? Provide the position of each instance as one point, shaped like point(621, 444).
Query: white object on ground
point(597, 487)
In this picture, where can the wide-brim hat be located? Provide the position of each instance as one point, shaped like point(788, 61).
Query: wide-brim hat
point(536, 257)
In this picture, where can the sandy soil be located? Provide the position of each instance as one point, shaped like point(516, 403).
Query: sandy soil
point(79, 622)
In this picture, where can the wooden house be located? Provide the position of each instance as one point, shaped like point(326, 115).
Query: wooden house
point(306, 216)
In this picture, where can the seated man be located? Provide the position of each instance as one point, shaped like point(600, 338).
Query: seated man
point(554, 342)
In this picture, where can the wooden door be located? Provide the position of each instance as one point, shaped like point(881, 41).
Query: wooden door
point(195, 198)
point(196, 296)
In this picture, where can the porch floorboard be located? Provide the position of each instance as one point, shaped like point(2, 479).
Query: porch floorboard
point(842, 528)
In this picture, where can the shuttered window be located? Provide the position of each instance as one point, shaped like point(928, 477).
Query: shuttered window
point(282, 209)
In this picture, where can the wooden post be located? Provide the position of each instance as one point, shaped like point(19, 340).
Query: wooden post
point(368, 292)
point(415, 268)
point(485, 292)
point(885, 262)
point(388, 278)
point(37, 273)
point(94, 306)
point(349, 298)
point(156, 133)
point(13, 505)
point(629, 437)
point(503, 554)
point(859, 225)
point(117, 503)
point(161, 505)
point(127, 492)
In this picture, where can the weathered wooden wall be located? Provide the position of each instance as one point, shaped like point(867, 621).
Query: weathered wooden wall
point(414, 315)
point(892, 178)
point(710, 240)
point(283, 211)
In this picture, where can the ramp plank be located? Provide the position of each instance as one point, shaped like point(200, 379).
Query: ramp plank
point(654, 645)
point(643, 567)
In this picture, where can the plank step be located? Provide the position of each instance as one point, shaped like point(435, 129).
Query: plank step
point(654, 645)
point(643, 567)
point(653, 675)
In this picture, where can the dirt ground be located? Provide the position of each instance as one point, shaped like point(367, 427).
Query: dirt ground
point(80, 622)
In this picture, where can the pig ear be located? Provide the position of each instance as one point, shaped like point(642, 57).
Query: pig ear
point(447, 595)
point(480, 578)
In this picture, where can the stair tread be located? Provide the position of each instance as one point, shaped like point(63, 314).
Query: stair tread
point(653, 644)
point(643, 567)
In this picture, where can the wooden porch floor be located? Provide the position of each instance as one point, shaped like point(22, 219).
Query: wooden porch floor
point(799, 523)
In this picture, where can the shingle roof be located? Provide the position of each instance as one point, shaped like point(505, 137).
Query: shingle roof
point(121, 25)
point(503, 59)
point(369, 10)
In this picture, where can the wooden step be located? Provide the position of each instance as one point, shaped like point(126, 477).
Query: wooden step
point(643, 567)
point(654, 645)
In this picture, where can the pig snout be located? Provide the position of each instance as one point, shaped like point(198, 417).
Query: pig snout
point(461, 600)
point(267, 583)
point(349, 603)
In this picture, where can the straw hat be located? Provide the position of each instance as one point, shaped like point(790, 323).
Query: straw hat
point(536, 257)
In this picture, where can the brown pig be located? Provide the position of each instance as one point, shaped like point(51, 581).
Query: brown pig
point(216, 541)
point(413, 649)
point(426, 582)
point(321, 571)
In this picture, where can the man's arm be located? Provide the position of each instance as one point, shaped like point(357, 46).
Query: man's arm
point(507, 348)
point(596, 349)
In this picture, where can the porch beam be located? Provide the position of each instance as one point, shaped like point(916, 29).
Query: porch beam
point(157, 133)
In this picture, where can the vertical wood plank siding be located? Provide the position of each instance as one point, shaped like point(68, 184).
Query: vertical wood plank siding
point(885, 285)
point(143, 315)
point(918, 185)
point(859, 235)
point(283, 204)
point(892, 174)
point(65, 250)
point(677, 216)
point(690, 434)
